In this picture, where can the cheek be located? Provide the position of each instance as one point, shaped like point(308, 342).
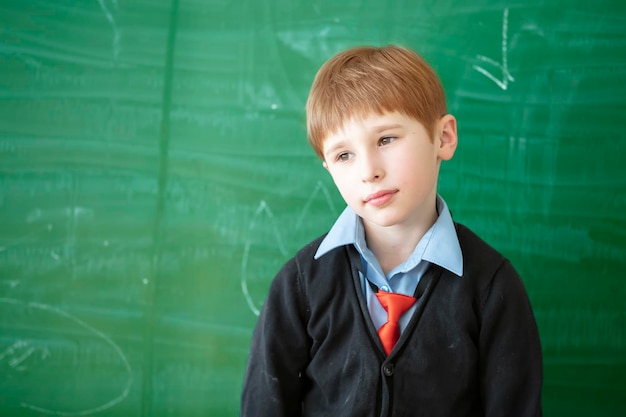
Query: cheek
point(415, 171)
point(344, 183)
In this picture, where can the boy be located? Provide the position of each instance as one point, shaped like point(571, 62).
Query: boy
point(397, 311)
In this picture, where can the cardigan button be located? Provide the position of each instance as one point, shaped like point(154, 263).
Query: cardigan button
point(388, 369)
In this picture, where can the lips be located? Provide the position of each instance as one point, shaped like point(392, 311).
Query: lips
point(380, 198)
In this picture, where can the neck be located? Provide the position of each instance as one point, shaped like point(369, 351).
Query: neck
point(394, 244)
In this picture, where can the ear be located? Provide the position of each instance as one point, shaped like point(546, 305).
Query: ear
point(448, 138)
point(325, 165)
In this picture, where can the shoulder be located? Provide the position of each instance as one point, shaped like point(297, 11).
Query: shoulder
point(308, 251)
point(478, 255)
point(486, 269)
point(327, 271)
point(306, 255)
point(288, 291)
point(304, 262)
point(482, 263)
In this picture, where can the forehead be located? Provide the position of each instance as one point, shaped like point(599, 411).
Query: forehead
point(372, 123)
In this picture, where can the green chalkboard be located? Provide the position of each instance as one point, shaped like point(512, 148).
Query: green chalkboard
point(155, 174)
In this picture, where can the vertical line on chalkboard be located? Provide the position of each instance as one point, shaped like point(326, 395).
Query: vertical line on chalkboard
point(504, 66)
point(108, 14)
point(164, 138)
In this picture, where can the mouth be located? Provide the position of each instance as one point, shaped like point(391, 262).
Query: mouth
point(380, 198)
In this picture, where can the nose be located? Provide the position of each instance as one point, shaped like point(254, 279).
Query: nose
point(371, 168)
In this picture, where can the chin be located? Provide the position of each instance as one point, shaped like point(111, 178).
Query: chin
point(384, 221)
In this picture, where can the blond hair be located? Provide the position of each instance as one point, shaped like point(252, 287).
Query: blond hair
point(364, 80)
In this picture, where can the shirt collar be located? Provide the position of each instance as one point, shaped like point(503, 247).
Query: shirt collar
point(440, 244)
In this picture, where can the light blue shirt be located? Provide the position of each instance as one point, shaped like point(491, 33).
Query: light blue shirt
point(439, 245)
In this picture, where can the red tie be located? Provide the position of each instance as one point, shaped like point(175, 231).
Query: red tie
point(395, 305)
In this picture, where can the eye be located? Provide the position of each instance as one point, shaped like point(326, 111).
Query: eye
point(344, 156)
point(386, 140)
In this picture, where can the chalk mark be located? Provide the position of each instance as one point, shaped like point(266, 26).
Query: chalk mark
point(10, 282)
point(65, 256)
point(25, 239)
point(10, 351)
point(16, 362)
point(264, 209)
point(318, 188)
point(108, 13)
point(45, 353)
point(504, 66)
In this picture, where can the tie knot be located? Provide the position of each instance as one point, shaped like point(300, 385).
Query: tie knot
point(395, 304)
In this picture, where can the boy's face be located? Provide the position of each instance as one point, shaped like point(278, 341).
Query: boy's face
point(386, 167)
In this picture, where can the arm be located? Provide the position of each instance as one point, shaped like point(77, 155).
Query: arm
point(510, 351)
point(273, 385)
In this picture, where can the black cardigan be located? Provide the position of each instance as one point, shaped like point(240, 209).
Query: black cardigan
point(471, 348)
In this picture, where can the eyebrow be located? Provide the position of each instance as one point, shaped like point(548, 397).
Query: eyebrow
point(375, 130)
point(333, 148)
point(382, 128)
